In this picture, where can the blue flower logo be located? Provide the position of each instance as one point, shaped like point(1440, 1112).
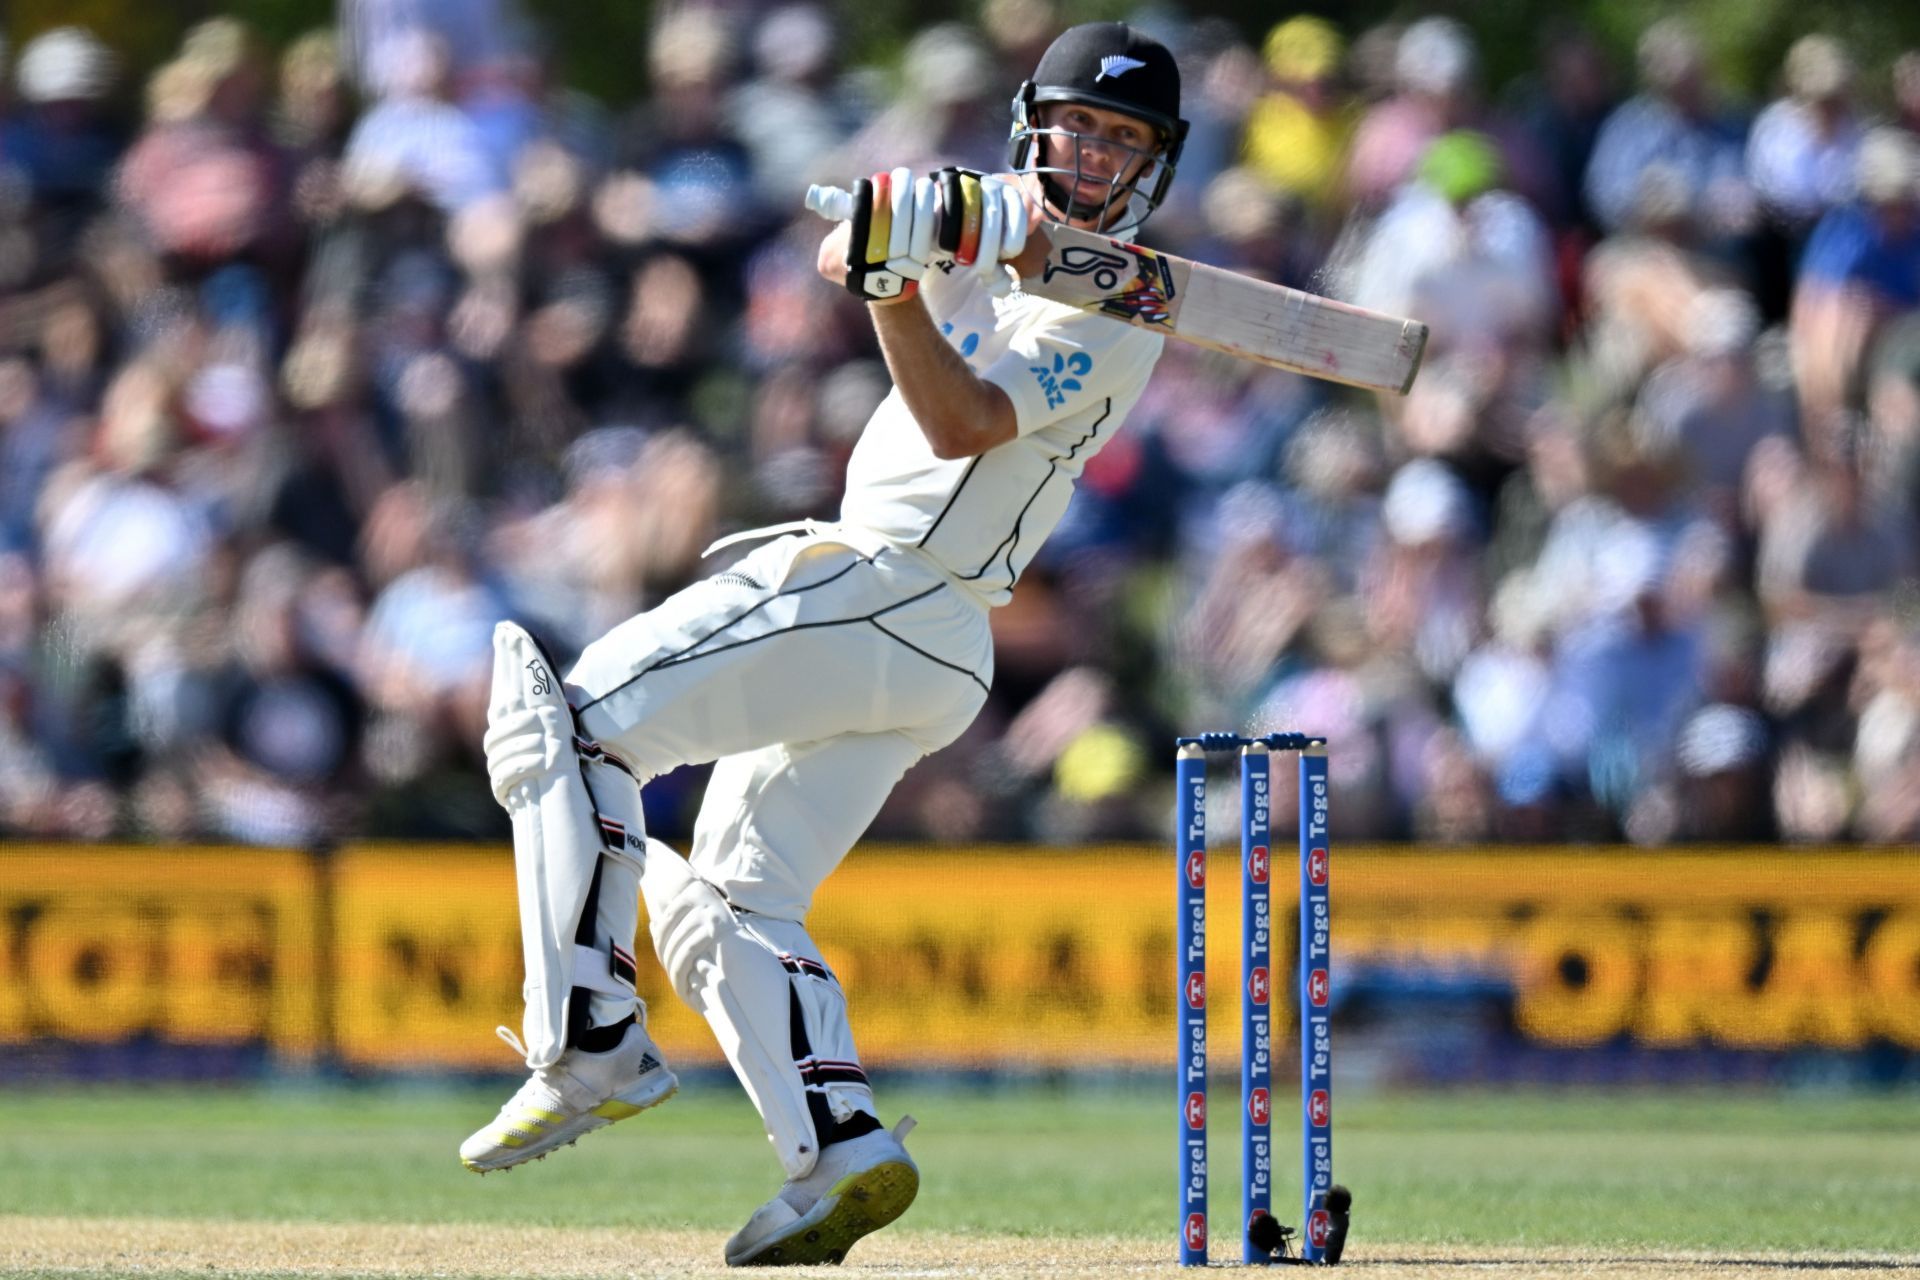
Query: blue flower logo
point(1077, 366)
point(1063, 377)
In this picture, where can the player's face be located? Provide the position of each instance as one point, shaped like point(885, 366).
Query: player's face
point(1107, 149)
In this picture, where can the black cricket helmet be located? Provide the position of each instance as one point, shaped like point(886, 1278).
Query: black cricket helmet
point(1115, 67)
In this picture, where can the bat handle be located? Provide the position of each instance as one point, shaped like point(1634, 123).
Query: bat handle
point(830, 202)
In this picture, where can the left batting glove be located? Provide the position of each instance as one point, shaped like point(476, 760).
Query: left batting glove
point(892, 234)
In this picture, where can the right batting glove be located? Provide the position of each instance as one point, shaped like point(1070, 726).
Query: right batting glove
point(982, 220)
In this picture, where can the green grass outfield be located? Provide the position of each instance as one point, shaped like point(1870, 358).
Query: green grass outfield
point(1726, 1174)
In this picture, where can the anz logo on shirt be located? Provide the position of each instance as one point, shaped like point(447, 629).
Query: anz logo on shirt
point(1063, 377)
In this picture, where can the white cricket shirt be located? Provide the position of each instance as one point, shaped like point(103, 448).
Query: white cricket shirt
point(1072, 376)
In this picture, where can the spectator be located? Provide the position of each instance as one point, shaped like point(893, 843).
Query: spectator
point(1673, 127)
point(1801, 160)
point(1723, 757)
point(1862, 266)
point(1452, 222)
point(314, 114)
point(1256, 600)
point(1710, 406)
point(1230, 78)
point(35, 437)
point(202, 178)
point(286, 738)
point(793, 112)
point(1906, 91)
point(1422, 588)
point(1460, 248)
point(1500, 692)
point(122, 545)
point(697, 173)
point(1800, 156)
point(1886, 750)
point(1560, 113)
point(1624, 680)
point(1830, 555)
point(1434, 66)
point(1893, 415)
point(415, 140)
point(941, 115)
point(1298, 132)
point(1643, 287)
point(63, 143)
point(473, 32)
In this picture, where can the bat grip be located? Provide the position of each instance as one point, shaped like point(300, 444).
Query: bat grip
point(831, 203)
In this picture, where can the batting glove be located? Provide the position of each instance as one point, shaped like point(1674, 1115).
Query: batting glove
point(892, 231)
point(982, 220)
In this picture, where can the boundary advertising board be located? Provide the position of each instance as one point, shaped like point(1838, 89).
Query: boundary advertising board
point(405, 957)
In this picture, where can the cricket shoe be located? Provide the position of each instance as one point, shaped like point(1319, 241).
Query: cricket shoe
point(856, 1188)
point(576, 1095)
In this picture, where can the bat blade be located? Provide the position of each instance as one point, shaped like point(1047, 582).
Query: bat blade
point(1222, 310)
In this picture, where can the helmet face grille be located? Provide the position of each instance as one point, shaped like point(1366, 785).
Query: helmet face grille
point(1124, 204)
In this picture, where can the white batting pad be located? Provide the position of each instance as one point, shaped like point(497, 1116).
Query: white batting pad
point(560, 840)
point(774, 1008)
point(828, 1063)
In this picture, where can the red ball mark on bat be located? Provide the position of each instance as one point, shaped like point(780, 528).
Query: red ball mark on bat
point(1330, 360)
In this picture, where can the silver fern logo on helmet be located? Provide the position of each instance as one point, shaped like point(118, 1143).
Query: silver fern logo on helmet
point(1117, 65)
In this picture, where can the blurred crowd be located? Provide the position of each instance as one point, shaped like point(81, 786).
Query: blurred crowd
point(317, 360)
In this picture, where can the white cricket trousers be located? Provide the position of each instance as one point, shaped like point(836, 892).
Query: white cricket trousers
point(814, 673)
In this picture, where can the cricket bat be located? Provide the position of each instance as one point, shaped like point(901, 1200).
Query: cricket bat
point(1221, 310)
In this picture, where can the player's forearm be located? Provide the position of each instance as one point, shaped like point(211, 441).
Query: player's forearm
point(960, 413)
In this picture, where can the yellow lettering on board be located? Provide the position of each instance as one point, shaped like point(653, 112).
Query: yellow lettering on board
point(1579, 977)
point(1890, 973)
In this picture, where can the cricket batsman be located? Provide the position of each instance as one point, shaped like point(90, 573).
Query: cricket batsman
point(821, 666)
